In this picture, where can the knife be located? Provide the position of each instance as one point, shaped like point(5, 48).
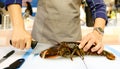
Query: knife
point(17, 64)
point(37, 46)
point(7, 55)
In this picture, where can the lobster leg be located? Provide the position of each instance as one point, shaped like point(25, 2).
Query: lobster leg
point(73, 54)
point(79, 54)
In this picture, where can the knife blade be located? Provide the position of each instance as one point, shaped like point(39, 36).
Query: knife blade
point(6, 56)
point(37, 46)
point(40, 47)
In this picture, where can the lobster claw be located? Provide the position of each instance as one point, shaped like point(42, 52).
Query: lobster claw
point(51, 52)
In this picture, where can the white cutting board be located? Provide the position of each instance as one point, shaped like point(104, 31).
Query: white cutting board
point(92, 62)
point(35, 62)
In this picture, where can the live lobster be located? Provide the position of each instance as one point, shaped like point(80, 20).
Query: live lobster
point(70, 49)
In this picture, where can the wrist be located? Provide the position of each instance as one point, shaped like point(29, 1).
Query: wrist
point(99, 30)
point(18, 28)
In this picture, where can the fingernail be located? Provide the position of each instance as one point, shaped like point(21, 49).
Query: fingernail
point(98, 52)
point(92, 50)
point(80, 46)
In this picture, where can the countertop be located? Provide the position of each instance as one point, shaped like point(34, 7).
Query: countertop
point(34, 61)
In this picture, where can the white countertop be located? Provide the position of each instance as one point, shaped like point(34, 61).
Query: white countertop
point(35, 62)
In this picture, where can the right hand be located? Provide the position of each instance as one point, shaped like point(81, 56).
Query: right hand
point(21, 39)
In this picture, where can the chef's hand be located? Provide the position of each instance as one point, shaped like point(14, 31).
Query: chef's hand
point(21, 39)
point(93, 38)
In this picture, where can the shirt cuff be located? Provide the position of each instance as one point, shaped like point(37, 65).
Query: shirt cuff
point(9, 2)
point(102, 15)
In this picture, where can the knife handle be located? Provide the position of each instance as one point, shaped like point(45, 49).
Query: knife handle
point(33, 43)
point(16, 64)
point(9, 54)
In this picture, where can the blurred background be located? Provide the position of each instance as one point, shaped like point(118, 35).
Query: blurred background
point(112, 8)
point(29, 9)
point(113, 13)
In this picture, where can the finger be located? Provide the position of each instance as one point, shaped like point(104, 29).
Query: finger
point(88, 45)
point(78, 41)
point(22, 44)
point(13, 43)
point(100, 50)
point(83, 42)
point(97, 47)
point(17, 44)
point(28, 44)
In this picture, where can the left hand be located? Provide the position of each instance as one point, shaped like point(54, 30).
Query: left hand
point(93, 38)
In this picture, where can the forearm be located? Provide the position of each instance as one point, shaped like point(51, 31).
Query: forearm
point(16, 16)
point(100, 22)
point(99, 14)
point(99, 26)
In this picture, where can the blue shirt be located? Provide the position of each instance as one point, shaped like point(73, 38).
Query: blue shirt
point(2, 0)
point(8, 2)
point(98, 7)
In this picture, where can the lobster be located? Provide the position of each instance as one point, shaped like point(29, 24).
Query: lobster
point(71, 49)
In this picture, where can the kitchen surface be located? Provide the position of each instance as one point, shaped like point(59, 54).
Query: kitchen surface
point(31, 59)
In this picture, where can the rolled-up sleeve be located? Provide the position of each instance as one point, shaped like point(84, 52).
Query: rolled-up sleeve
point(98, 9)
point(8, 2)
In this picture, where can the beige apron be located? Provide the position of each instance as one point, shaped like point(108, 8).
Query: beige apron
point(56, 21)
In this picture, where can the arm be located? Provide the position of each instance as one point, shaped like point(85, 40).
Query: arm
point(20, 37)
point(16, 16)
point(99, 15)
point(98, 9)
